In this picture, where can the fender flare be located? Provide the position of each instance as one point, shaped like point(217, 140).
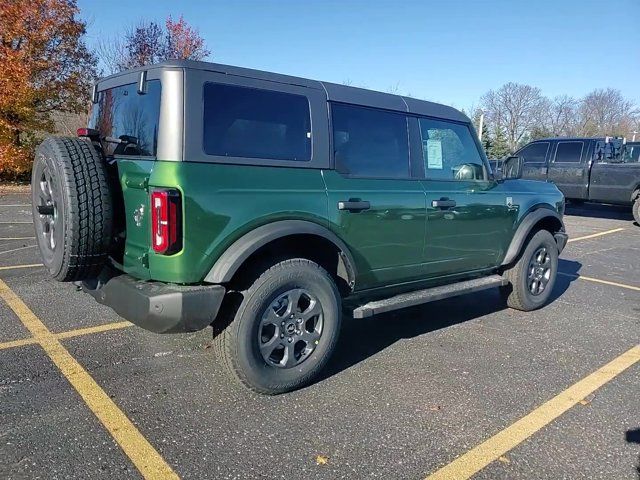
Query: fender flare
point(523, 230)
point(235, 255)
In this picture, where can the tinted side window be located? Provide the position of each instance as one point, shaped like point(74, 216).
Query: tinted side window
point(123, 113)
point(631, 153)
point(534, 153)
point(370, 143)
point(247, 122)
point(569, 152)
point(449, 151)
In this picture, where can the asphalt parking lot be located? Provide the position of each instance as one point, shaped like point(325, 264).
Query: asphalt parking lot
point(458, 388)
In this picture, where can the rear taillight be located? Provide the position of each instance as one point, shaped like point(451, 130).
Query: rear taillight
point(166, 221)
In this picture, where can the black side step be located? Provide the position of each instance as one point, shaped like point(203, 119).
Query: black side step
point(428, 295)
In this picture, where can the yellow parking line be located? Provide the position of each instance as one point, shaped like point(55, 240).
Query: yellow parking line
point(89, 330)
point(11, 223)
point(490, 450)
point(146, 458)
point(594, 235)
point(18, 343)
point(17, 238)
point(16, 205)
point(68, 334)
point(604, 282)
point(31, 265)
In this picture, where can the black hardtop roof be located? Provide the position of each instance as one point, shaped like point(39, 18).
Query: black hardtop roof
point(334, 92)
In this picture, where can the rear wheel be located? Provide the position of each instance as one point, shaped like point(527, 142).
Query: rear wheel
point(533, 276)
point(72, 208)
point(284, 330)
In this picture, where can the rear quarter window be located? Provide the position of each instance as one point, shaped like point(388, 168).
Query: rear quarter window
point(123, 113)
point(256, 123)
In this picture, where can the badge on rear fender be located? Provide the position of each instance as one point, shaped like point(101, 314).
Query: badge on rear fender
point(138, 215)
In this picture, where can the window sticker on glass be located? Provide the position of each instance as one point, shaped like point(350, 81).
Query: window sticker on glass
point(434, 154)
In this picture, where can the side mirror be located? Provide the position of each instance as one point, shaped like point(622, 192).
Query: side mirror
point(512, 168)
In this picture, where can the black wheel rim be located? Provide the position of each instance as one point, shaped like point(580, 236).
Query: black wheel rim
point(47, 209)
point(290, 328)
point(539, 273)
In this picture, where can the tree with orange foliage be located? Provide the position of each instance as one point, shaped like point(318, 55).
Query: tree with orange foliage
point(46, 67)
point(183, 42)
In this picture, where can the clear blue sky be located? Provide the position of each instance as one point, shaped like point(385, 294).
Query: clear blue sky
point(445, 51)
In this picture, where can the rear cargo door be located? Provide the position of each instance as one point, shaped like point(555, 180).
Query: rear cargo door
point(130, 118)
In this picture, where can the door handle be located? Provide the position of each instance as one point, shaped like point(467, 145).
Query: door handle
point(354, 205)
point(443, 203)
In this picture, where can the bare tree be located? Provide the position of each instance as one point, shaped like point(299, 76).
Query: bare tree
point(561, 116)
point(111, 52)
point(515, 109)
point(606, 112)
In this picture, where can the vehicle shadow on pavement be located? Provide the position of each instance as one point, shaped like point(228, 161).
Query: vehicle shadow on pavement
point(633, 436)
point(379, 332)
point(594, 210)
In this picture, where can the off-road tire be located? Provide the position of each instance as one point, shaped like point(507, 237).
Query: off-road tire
point(76, 183)
point(636, 209)
point(517, 293)
point(236, 346)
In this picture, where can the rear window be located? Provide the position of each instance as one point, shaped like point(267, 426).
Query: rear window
point(254, 123)
point(370, 143)
point(569, 152)
point(123, 113)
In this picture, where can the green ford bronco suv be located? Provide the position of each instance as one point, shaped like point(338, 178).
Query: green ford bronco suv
point(267, 206)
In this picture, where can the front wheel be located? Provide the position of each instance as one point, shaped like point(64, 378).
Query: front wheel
point(533, 276)
point(285, 329)
point(636, 210)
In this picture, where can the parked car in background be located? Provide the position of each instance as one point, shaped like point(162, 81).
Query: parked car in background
point(602, 170)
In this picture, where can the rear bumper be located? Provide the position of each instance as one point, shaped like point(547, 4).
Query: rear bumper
point(156, 306)
point(561, 240)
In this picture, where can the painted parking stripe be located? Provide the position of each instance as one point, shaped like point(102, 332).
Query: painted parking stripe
point(16, 223)
point(18, 343)
point(97, 329)
point(78, 332)
point(16, 205)
point(604, 282)
point(30, 265)
point(490, 450)
point(17, 249)
point(17, 238)
point(595, 235)
point(146, 458)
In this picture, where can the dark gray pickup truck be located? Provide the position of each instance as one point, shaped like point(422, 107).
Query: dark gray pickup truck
point(603, 170)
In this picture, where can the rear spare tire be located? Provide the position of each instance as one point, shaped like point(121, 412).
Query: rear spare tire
point(72, 208)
